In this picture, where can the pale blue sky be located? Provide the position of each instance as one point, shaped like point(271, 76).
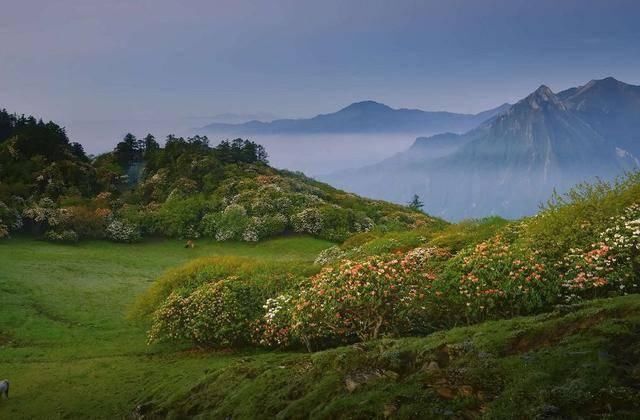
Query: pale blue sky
point(90, 60)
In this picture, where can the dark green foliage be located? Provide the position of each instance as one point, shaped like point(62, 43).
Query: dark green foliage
point(37, 159)
point(415, 203)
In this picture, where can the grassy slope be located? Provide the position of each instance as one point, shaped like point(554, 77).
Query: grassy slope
point(579, 362)
point(65, 343)
point(69, 352)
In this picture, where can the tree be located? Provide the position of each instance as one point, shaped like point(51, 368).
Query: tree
point(150, 144)
point(127, 151)
point(415, 203)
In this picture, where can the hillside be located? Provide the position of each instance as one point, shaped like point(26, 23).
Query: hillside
point(513, 162)
point(480, 318)
point(186, 189)
point(38, 158)
point(576, 358)
point(363, 117)
point(576, 362)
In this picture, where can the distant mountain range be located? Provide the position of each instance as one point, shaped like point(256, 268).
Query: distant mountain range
point(363, 117)
point(512, 162)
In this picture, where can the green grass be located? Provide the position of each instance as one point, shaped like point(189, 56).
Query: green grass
point(577, 362)
point(65, 342)
point(70, 352)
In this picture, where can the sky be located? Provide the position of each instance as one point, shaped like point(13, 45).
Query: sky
point(100, 66)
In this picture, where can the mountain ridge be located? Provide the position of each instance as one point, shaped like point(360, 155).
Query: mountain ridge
point(366, 116)
point(514, 161)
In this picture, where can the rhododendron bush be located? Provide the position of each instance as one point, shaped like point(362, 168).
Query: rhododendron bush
point(122, 231)
point(496, 278)
point(215, 314)
point(610, 265)
point(9, 220)
point(380, 284)
point(353, 300)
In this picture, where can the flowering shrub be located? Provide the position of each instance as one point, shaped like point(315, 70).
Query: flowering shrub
point(87, 223)
point(250, 234)
point(44, 214)
point(271, 225)
point(121, 231)
point(497, 278)
point(364, 225)
point(355, 300)
point(609, 265)
point(329, 255)
point(275, 329)
point(215, 314)
point(65, 236)
point(308, 221)
point(230, 224)
point(10, 219)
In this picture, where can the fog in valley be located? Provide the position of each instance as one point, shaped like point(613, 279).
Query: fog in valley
point(316, 155)
point(324, 154)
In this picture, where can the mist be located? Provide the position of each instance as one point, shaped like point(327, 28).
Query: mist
point(322, 154)
point(316, 155)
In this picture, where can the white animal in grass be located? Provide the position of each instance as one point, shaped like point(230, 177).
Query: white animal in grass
point(4, 388)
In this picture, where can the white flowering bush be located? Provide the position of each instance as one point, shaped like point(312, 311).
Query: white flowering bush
point(65, 236)
point(612, 264)
point(121, 231)
point(215, 314)
point(274, 328)
point(329, 255)
point(364, 225)
point(308, 221)
point(44, 213)
point(272, 225)
point(250, 234)
point(10, 219)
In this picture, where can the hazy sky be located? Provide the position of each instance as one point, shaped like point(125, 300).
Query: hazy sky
point(104, 60)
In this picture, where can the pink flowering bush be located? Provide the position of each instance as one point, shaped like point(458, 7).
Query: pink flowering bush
point(610, 265)
point(496, 278)
point(355, 300)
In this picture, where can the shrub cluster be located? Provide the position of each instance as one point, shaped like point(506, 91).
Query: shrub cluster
point(415, 291)
point(217, 313)
point(121, 231)
point(355, 300)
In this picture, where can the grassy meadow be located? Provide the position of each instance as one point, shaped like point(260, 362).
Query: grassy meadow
point(70, 350)
point(66, 343)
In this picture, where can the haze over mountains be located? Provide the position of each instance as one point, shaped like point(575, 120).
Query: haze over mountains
point(363, 117)
point(512, 162)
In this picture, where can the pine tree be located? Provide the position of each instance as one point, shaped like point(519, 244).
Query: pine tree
point(415, 203)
